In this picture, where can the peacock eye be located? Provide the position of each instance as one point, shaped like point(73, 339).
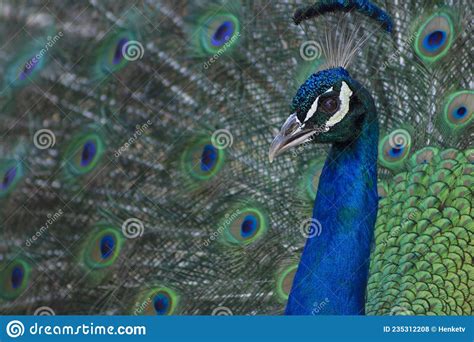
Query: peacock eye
point(330, 104)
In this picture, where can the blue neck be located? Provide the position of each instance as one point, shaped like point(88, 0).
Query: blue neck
point(332, 274)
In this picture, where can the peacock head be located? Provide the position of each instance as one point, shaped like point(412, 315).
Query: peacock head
point(328, 108)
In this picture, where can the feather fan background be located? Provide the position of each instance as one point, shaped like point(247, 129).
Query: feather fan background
point(133, 156)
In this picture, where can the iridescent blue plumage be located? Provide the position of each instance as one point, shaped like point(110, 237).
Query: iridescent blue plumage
point(331, 107)
point(11, 172)
point(8, 178)
point(118, 55)
point(16, 277)
point(223, 33)
point(88, 153)
point(161, 304)
point(316, 84)
point(434, 40)
point(334, 264)
point(363, 6)
point(248, 227)
point(208, 157)
point(107, 245)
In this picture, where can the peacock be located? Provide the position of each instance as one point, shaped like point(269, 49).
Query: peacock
point(236, 157)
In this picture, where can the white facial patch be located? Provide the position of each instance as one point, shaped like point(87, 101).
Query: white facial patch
point(314, 107)
point(344, 98)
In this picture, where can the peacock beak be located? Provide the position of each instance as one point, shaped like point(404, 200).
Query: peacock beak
point(291, 134)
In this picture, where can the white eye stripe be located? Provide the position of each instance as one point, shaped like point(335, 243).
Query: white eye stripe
point(312, 110)
point(314, 106)
point(344, 99)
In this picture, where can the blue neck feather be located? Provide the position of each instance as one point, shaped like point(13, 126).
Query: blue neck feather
point(332, 274)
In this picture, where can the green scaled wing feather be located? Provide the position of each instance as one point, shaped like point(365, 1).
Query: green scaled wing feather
point(422, 260)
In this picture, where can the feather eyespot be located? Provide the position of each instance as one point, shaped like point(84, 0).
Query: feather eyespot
point(11, 172)
point(118, 54)
point(159, 301)
point(458, 109)
point(14, 279)
point(88, 153)
point(102, 247)
point(25, 66)
point(285, 282)
point(111, 56)
point(8, 178)
point(218, 30)
point(17, 277)
point(223, 33)
point(435, 36)
point(244, 225)
point(394, 149)
point(202, 160)
point(84, 153)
